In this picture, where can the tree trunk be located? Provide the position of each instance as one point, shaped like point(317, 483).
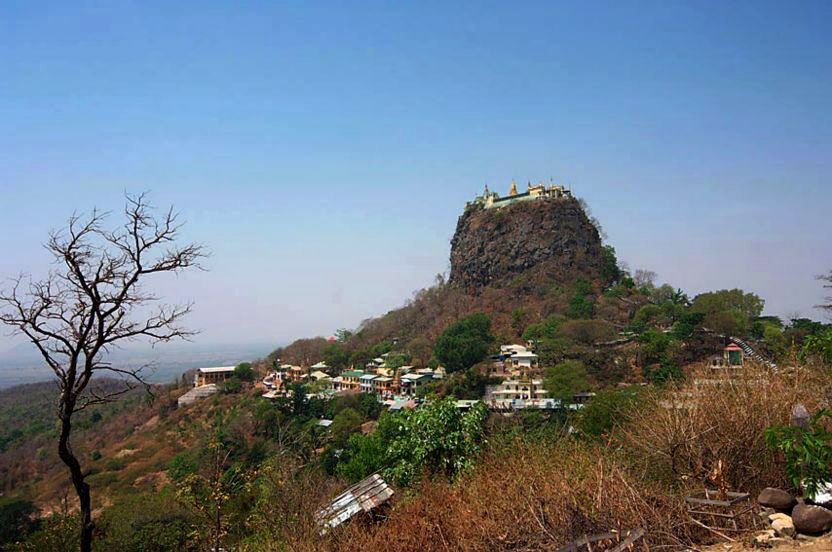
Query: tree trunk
point(82, 489)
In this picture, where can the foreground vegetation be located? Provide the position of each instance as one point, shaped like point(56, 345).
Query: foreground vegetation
point(463, 481)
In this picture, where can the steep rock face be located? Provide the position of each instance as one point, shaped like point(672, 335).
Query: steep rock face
point(492, 245)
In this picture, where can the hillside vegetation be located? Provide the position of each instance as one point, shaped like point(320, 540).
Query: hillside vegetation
point(252, 474)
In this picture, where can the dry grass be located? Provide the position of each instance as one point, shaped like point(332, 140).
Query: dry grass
point(680, 434)
point(538, 496)
point(523, 497)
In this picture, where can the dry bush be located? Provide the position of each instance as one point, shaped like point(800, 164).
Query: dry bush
point(289, 498)
point(528, 496)
point(681, 433)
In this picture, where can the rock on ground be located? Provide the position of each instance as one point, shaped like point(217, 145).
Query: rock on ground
point(776, 498)
point(811, 519)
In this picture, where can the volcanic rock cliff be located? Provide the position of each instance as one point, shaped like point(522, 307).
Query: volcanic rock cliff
point(491, 246)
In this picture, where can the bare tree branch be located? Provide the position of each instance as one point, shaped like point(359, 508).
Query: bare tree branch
point(91, 301)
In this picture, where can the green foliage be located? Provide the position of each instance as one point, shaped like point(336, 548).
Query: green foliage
point(336, 356)
point(519, 320)
point(728, 311)
point(345, 424)
point(686, 325)
point(657, 350)
point(56, 533)
point(396, 360)
point(543, 330)
point(342, 335)
point(365, 404)
point(145, 523)
point(587, 332)
point(610, 272)
point(244, 372)
point(115, 464)
point(609, 408)
point(230, 386)
point(819, 346)
point(466, 385)
point(583, 287)
point(563, 380)
point(182, 465)
point(15, 518)
point(436, 437)
point(367, 454)
point(808, 453)
point(465, 342)
point(580, 307)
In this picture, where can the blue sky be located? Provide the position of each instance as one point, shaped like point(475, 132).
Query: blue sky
point(323, 151)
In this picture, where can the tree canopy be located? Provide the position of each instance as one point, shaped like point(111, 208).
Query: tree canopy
point(563, 380)
point(465, 342)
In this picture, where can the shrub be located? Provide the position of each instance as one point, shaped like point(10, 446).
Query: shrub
point(808, 452)
point(524, 496)
point(147, 523)
point(15, 518)
point(610, 408)
point(682, 432)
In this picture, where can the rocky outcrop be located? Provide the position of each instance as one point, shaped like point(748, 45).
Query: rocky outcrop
point(493, 245)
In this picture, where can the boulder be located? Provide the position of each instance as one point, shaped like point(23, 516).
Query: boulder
point(776, 498)
point(811, 519)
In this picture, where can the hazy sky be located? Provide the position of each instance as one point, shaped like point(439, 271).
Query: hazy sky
point(323, 151)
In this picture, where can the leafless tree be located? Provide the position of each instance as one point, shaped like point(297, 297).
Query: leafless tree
point(91, 302)
point(642, 278)
point(827, 284)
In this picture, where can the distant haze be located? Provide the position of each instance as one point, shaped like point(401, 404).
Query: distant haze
point(323, 153)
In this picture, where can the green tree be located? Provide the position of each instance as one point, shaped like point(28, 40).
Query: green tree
point(436, 437)
point(16, 515)
point(465, 342)
point(230, 386)
point(610, 272)
point(244, 372)
point(609, 408)
point(345, 424)
point(519, 320)
point(563, 380)
point(545, 329)
point(336, 356)
point(728, 311)
point(580, 307)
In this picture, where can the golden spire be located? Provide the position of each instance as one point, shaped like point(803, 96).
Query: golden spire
point(513, 188)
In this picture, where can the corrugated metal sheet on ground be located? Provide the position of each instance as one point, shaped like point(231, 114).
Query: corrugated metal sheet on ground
point(361, 497)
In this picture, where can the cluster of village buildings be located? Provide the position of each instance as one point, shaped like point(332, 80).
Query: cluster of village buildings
point(377, 377)
point(522, 385)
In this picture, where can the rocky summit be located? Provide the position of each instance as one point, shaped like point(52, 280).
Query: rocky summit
point(493, 245)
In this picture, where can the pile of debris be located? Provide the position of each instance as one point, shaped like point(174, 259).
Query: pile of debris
point(791, 519)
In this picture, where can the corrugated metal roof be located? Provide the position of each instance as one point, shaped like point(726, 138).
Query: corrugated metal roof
point(361, 497)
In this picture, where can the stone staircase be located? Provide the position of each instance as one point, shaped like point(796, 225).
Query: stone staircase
point(752, 353)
